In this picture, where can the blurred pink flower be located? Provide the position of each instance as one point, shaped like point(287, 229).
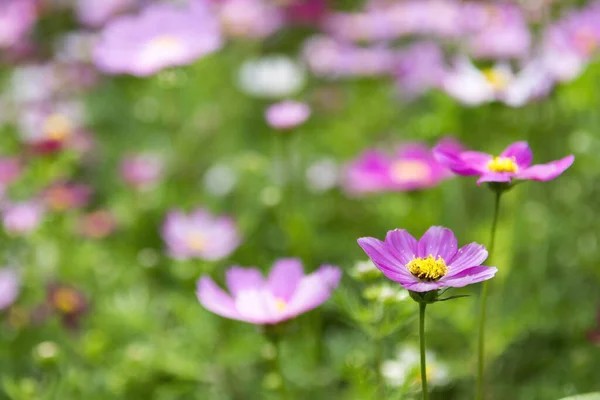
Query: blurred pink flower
point(310, 12)
point(284, 295)
point(10, 169)
point(69, 303)
point(17, 17)
point(200, 235)
point(412, 167)
point(142, 171)
point(22, 218)
point(9, 287)
point(418, 68)
point(95, 13)
point(287, 114)
point(255, 19)
point(97, 224)
point(66, 196)
point(160, 36)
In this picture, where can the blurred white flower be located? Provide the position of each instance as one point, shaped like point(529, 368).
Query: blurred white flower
point(322, 175)
point(405, 368)
point(220, 180)
point(272, 76)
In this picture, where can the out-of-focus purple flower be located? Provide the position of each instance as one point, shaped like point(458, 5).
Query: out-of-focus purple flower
point(472, 86)
point(329, 57)
point(412, 167)
point(95, 13)
point(200, 235)
point(10, 169)
point(513, 163)
point(67, 302)
point(287, 114)
point(97, 224)
point(284, 295)
point(249, 18)
point(569, 43)
point(9, 287)
point(16, 19)
point(64, 196)
point(160, 36)
point(141, 171)
point(431, 263)
point(49, 126)
point(496, 31)
point(419, 68)
point(22, 218)
point(310, 12)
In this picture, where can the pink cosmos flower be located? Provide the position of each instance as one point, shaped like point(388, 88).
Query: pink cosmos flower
point(412, 167)
point(16, 18)
point(160, 36)
point(10, 169)
point(95, 13)
point(431, 263)
point(9, 287)
point(255, 19)
point(287, 114)
point(142, 171)
point(22, 218)
point(285, 294)
point(200, 235)
point(97, 224)
point(64, 196)
point(513, 163)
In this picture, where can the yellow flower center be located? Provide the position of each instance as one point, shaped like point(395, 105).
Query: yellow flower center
point(197, 241)
point(165, 43)
point(66, 300)
point(57, 127)
point(428, 269)
point(409, 171)
point(503, 164)
point(281, 305)
point(495, 78)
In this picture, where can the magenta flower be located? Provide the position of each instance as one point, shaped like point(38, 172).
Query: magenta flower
point(287, 114)
point(10, 169)
point(160, 36)
point(413, 167)
point(141, 171)
point(9, 287)
point(285, 294)
point(64, 196)
point(513, 163)
point(200, 235)
point(22, 218)
point(433, 262)
point(17, 17)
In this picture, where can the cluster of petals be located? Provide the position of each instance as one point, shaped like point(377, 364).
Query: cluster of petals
point(394, 255)
point(283, 295)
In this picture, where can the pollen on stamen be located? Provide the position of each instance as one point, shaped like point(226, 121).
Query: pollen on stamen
point(281, 305)
point(503, 164)
point(428, 269)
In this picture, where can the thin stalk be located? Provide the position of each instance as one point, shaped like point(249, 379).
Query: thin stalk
point(484, 294)
point(283, 391)
point(423, 356)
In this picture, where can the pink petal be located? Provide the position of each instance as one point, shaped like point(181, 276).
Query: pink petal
point(385, 260)
point(546, 172)
point(496, 177)
point(463, 163)
point(214, 299)
point(521, 153)
point(239, 279)
point(313, 290)
point(469, 276)
point(467, 256)
point(284, 277)
point(423, 286)
point(402, 244)
point(438, 241)
point(258, 306)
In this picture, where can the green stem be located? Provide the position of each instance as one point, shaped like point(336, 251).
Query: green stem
point(283, 391)
point(484, 294)
point(423, 356)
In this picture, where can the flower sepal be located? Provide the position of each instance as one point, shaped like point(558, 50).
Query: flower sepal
point(425, 297)
point(501, 187)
